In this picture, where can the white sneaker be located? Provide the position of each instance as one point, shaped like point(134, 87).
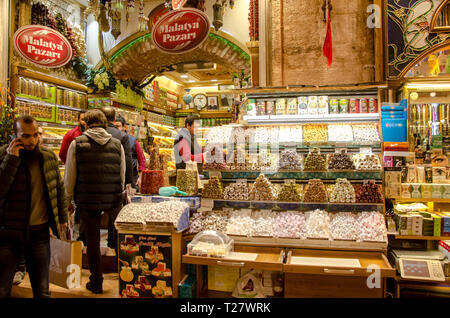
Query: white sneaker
point(110, 252)
point(18, 278)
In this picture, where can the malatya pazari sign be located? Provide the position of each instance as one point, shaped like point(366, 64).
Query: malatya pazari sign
point(42, 46)
point(180, 31)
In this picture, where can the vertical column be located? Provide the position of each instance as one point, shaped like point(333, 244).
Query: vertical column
point(4, 39)
point(253, 45)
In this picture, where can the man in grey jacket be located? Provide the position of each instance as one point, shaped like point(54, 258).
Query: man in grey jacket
point(95, 178)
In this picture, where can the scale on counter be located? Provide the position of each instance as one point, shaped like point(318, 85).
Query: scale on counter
point(423, 265)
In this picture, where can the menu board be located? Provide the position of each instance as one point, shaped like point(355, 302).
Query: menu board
point(145, 266)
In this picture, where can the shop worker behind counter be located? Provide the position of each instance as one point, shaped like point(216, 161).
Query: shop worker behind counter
point(95, 178)
point(186, 147)
point(32, 200)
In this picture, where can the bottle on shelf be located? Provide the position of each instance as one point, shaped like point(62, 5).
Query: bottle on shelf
point(419, 152)
point(428, 154)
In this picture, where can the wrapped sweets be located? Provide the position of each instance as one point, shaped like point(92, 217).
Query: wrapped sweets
point(312, 133)
point(315, 161)
point(197, 222)
point(240, 222)
point(239, 159)
point(340, 161)
point(315, 191)
point(167, 211)
point(372, 227)
point(219, 134)
point(342, 133)
point(369, 192)
point(268, 160)
point(266, 135)
point(367, 162)
point(290, 134)
point(151, 181)
point(213, 189)
point(365, 133)
point(216, 220)
point(238, 191)
point(263, 223)
point(289, 193)
point(290, 160)
point(343, 192)
point(187, 181)
point(290, 224)
point(133, 213)
point(317, 224)
point(344, 226)
point(262, 190)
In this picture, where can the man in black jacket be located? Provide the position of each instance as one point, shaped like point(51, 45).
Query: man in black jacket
point(32, 200)
point(110, 114)
point(95, 177)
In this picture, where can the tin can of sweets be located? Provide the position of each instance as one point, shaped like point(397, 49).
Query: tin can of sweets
point(373, 105)
point(363, 105)
point(354, 105)
point(334, 106)
point(343, 106)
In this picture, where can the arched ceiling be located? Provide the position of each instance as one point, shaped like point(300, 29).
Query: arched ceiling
point(137, 58)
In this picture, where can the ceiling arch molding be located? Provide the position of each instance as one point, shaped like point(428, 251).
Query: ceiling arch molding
point(137, 57)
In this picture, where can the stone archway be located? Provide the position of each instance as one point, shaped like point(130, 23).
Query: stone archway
point(136, 57)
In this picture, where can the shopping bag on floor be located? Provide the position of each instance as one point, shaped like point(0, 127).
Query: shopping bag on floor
point(65, 263)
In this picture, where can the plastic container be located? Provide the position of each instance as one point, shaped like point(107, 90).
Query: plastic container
point(211, 244)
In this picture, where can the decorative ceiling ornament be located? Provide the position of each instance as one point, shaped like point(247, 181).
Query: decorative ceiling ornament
point(102, 18)
point(143, 20)
point(116, 17)
point(218, 15)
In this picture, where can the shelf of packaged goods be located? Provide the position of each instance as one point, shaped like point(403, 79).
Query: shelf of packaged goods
point(375, 146)
point(280, 174)
point(398, 154)
point(216, 114)
point(422, 238)
point(304, 90)
point(270, 259)
point(34, 101)
point(62, 83)
point(412, 200)
point(69, 108)
point(57, 125)
point(307, 119)
point(160, 125)
point(292, 206)
point(326, 263)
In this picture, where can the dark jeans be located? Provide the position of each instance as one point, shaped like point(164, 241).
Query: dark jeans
point(37, 259)
point(92, 222)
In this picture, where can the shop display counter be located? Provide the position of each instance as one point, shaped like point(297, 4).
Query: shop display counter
point(265, 258)
point(314, 273)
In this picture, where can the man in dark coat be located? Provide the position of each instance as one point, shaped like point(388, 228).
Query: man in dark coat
point(95, 178)
point(32, 200)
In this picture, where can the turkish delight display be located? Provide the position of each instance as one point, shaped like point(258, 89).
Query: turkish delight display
point(262, 190)
point(240, 223)
point(237, 191)
point(289, 193)
point(213, 189)
point(340, 133)
point(315, 191)
point(372, 227)
point(343, 192)
point(290, 160)
point(318, 224)
point(263, 223)
point(290, 224)
point(340, 161)
point(315, 161)
point(369, 192)
point(344, 226)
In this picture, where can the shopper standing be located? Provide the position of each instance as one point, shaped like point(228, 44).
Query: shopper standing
point(137, 155)
point(71, 135)
point(186, 147)
point(31, 201)
point(95, 178)
point(110, 114)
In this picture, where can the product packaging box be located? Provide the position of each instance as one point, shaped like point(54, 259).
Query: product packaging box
point(186, 288)
point(394, 129)
point(223, 278)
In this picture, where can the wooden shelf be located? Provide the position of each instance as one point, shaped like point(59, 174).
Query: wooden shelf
point(422, 200)
point(428, 238)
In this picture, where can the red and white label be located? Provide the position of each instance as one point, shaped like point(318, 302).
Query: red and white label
point(42, 46)
point(177, 4)
point(181, 31)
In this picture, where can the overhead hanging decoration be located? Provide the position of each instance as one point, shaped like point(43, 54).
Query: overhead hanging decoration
point(116, 17)
point(218, 15)
point(143, 20)
point(328, 43)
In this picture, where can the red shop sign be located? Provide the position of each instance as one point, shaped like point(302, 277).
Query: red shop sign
point(180, 31)
point(42, 46)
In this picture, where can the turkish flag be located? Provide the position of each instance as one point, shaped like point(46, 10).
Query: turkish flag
point(328, 44)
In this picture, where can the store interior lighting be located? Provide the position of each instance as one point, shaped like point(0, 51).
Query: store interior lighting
point(428, 86)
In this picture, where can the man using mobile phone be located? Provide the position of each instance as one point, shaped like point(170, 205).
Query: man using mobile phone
point(32, 200)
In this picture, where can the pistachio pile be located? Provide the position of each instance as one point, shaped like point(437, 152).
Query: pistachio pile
point(187, 181)
point(289, 193)
point(315, 161)
point(213, 189)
